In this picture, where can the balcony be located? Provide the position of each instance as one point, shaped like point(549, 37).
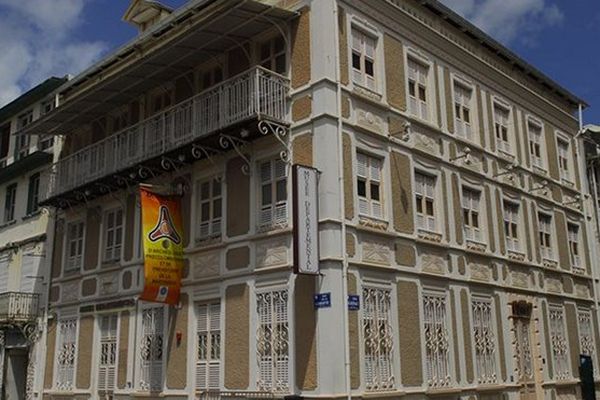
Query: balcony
point(17, 307)
point(181, 134)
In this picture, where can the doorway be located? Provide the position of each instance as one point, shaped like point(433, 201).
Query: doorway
point(521, 317)
point(15, 374)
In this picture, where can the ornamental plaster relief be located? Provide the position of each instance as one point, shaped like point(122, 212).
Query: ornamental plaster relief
point(70, 291)
point(376, 251)
point(272, 253)
point(520, 279)
point(582, 291)
point(554, 285)
point(367, 118)
point(109, 284)
point(480, 272)
point(207, 264)
point(433, 263)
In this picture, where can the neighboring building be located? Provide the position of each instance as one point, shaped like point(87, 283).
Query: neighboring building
point(25, 231)
point(447, 203)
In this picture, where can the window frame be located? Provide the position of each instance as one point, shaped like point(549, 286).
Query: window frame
point(546, 239)
point(67, 258)
point(118, 225)
point(478, 235)
point(369, 179)
point(434, 218)
point(364, 37)
point(10, 203)
point(274, 222)
point(164, 348)
point(210, 200)
point(504, 146)
point(66, 386)
point(423, 106)
point(565, 168)
point(274, 53)
point(534, 122)
point(490, 300)
point(447, 381)
point(459, 119)
point(575, 242)
point(33, 195)
point(557, 358)
point(209, 304)
point(512, 243)
point(104, 369)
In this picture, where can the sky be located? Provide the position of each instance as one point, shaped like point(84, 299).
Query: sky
point(41, 38)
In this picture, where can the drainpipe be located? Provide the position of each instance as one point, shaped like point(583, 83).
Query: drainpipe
point(342, 208)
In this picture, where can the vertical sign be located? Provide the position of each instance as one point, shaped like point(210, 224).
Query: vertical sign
point(306, 222)
point(163, 247)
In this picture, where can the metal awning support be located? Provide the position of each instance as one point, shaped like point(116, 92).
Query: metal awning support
point(209, 34)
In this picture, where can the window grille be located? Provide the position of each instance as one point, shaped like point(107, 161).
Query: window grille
point(368, 184)
point(210, 209)
point(74, 246)
point(545, 232)
point(108, 353)
point(273, 341)
point(560, 346)
point(501, 127)
point(523, 349)
point(152, 349)
point(363, 59)
point(535, 144)
point(273, 194)
point(462, 110)
point(485, 340)
point(208, 350)
point(66, 353)
point(437, 339)
point(378, 339)
point(586, 334)
point(425, 201)
point(113, 234)
point(418, 74)
point(471, 212)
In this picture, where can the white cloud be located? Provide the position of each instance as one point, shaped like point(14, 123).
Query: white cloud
point(509, 20)
point(37, 41)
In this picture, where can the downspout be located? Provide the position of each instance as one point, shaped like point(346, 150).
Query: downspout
point(342, 208)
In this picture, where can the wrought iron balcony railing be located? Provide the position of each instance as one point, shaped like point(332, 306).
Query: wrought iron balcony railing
point(255, 94)
point(18, 307)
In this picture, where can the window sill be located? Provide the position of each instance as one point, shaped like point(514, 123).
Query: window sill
point(578, 270)
point(208, 241)
point(32, 215)
point(475, 245)
point(373, 222)
point(365, 92)
point(273, 227)
point(567, 182)
point(430, 236)
point(539, 170)
point(516, 255)
point(505, 155)
point(8, 223)
point(549, 263)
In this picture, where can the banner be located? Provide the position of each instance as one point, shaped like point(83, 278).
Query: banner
point(306, 221)
point(163, 247)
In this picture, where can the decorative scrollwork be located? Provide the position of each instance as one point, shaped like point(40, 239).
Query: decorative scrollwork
point(169, 164)
point(226, 142)
point(30, 331)
point(280, 132)
point(146, 172)
point(199, 152)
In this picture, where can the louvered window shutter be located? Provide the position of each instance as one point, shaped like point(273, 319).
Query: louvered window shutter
point(208, 333)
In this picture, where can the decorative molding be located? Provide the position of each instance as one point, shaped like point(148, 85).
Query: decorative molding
point(582, 291)
point(373, 223)
point(272, 253)
point(433, 263)
point(376, 252)
point(69, 292)
point(516, 255)
point(434, 237)
point(206, 264)
point(519, 279)
point(476, 246)
point(550, 263)
point(553, 285)
point(480, 272)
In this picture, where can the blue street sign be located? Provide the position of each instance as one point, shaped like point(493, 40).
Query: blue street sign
point(322, 300)
point(353, 302)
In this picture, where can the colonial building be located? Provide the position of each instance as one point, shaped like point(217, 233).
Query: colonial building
point(25, 231)
point(448, 203)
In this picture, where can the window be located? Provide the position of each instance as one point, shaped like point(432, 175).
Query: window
point(545, 232)
point(511, 225)
point(437, 339)
point(272, 55)
point(363, 59)
point(21, 146)
point(484, 339)
point(152, 349)
point(161, 100)
point(368, 184)
point(66, 353)
point(272, 341)
point(74, 246)
point(113, 234)
point(563, 160)
point(34, 193)
point(471, 211)
point(46, 142)
point(378, 339)
point(418, 74)
point(210, 209)
point(273, 194)
point(586, 334)
point(573, 233)
point(108, 352)
point(501, 125)
point(211, 77)
point(560, 346)
point(425, 201)
point(208, 342)
point(462, 110)
point(9, 202)
point(535, 144)
point(121, 119)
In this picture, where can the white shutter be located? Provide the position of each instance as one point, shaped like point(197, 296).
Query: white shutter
point(208, 352)
point(4, 260)
point(30, 264)
point(108, 353)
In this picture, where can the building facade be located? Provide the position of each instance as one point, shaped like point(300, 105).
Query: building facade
point(448, 203)
point(25, 232)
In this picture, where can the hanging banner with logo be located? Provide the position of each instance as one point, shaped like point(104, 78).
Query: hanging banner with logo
point(306, 221)
point(163, 247)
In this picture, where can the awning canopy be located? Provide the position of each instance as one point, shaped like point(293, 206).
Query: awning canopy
point(198, 32)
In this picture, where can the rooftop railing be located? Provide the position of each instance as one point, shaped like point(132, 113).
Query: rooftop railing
point(256, 93)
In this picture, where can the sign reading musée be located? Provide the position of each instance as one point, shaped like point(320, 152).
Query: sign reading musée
point(163, 236)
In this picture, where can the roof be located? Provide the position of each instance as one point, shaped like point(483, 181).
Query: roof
point(138, 8)
point(30, 97)
point(501, 51)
